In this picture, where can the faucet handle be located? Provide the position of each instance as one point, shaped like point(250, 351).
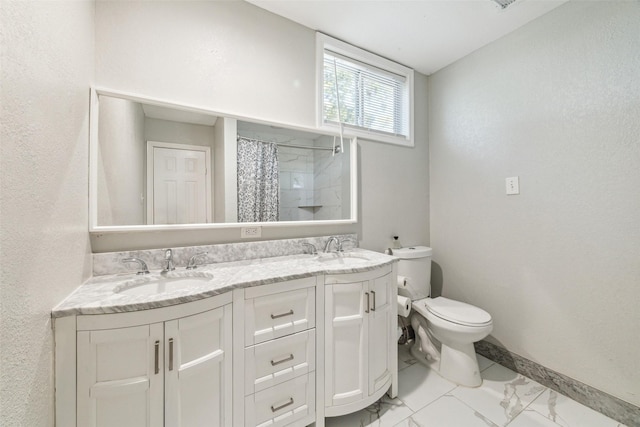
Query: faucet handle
point(143, 265)
point(312, 248)
point(193, 260)
point(346, 239)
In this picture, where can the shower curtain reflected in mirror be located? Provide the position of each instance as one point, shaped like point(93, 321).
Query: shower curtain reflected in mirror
point(257, 181)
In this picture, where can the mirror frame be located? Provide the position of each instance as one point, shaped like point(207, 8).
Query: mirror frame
point(94, 113)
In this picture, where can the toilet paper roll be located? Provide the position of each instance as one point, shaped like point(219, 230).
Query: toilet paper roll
point(404, 306)
point(403, 282)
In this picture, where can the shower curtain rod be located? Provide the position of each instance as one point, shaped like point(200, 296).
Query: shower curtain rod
point(310, 147)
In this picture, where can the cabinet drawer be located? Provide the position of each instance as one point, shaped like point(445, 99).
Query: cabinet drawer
point(279, 314)
point(276, 361)
point(286, 403)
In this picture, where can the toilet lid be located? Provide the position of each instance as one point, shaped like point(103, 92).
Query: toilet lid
point(457, 312)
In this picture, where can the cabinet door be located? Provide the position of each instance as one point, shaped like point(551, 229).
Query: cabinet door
point(380, 322)
point(198, 370)
point(346, 330)
point(120, 377)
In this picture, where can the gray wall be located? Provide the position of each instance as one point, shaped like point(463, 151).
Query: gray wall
point(245, 61)
point(556, 103)
point(121, 162)
point(47, 67)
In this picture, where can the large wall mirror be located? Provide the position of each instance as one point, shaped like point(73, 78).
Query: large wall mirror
point(160, 165)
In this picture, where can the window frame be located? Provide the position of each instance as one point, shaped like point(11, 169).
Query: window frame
point(324, 42)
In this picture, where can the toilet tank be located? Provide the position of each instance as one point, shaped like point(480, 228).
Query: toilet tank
point(414, 271)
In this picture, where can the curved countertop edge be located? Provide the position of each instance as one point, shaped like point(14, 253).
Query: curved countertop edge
point(105, 301)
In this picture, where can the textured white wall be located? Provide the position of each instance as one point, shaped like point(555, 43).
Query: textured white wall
point(47, 66)
point(236, 58)
point(556, 103)
point(227, 56)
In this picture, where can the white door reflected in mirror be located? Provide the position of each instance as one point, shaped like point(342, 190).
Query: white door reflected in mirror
point(177, 183)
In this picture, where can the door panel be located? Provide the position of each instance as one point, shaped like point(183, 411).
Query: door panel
point(179, 190)
point(346, 330)
point(117, 380)
point(379, 320)
point(198, 382)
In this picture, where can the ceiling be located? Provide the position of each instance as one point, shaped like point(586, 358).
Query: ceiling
point(425, 35)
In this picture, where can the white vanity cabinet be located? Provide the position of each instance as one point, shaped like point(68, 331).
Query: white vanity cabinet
point(284, 353)
point(360, 355)
point(134, 369)
point(279, 363)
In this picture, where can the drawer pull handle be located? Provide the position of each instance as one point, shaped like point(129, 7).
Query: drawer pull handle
point(277, 316)
point(286, 359)
point(367, 295)
point(373, 293)
point(157, 358)
point(290, 402)
point(171, 354)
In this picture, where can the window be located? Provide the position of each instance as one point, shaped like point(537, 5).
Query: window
point(363, 94)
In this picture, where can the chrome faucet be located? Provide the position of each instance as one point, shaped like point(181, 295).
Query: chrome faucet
point(193, 260)
point(331, 239)
point(143, 265)
point(168, 257)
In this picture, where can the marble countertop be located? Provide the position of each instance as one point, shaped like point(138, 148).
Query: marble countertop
point(103, 294)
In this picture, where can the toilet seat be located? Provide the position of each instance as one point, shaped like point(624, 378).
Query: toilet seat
point(453, 311)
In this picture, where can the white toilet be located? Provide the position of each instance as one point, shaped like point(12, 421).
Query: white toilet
point(445, 329)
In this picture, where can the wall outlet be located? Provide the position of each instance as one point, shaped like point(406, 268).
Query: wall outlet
point(249, 232)
point(513, 185)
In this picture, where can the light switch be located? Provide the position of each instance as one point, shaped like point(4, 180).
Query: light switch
point(513, 185)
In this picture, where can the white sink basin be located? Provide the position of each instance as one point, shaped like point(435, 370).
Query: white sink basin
point(341, 259)
point(172, 282)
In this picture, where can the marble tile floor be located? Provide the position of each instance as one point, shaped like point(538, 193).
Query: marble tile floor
point(506, 398)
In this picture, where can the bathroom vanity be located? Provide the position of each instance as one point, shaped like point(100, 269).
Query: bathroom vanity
point(276, 341)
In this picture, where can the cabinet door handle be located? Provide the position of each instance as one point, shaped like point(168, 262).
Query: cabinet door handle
point(284, 405)
point(286, 359)
point(157, 358)
point(367, 295)
point(373, 293)
point(171, 354)
point(288, 313)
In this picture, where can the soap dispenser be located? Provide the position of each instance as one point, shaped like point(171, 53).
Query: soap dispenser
point(396, 243)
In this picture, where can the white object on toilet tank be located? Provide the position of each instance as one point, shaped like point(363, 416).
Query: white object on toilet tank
point(415, 266)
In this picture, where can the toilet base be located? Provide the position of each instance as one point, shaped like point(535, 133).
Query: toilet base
point(458, 363)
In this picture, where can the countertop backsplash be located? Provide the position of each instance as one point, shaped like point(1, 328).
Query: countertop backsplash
point(109, 262)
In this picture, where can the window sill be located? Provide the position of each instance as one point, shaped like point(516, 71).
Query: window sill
point(349, 132)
